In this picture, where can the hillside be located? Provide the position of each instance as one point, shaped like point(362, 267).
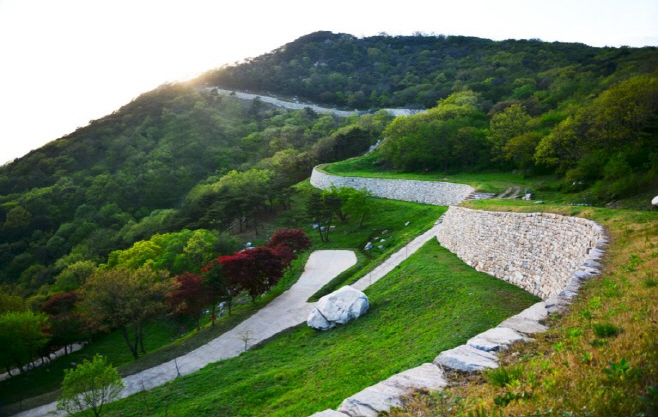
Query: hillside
point(185, 174)
point(417, 71)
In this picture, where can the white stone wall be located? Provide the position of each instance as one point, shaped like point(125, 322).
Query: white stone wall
point(542, 253)
point(428, 192)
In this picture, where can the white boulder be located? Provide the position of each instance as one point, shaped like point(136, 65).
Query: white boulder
point(655, 201)
point(339, 307)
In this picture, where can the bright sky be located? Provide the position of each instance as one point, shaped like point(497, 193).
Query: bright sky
point(66, 62)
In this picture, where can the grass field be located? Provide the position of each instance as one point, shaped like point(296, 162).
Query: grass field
point(431, 302)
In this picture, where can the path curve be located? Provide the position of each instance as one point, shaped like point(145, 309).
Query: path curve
point(287, 310)
point(295, 105)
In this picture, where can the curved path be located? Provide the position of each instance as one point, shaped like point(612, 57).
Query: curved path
point(287, 310)
point(299, 105)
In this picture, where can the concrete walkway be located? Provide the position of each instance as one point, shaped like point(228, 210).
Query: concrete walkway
point(396, 259)
point(287, 310)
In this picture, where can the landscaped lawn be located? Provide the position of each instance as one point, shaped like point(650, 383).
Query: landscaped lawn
point(431, 302)
point(167, 339)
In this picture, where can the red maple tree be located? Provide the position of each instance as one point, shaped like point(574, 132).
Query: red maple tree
point(253, 270)
point(190, 296)
point(295, 239)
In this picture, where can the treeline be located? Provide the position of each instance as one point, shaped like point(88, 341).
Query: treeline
point(174, 158)
point(417, 71)
point(608, 144)
point(177, 274)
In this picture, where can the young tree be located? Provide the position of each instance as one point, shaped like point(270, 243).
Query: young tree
point(124, 299)
point(253, 270)
point(65, 323)
point(218, 285)
point(359, 203)
point(90, 385)
point(319, 213)
point(295, 239)
point(22, 334)
point(190, 297)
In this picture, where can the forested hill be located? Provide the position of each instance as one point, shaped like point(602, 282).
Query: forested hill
point(417, 71)
point(129, 175)
point(183, 156)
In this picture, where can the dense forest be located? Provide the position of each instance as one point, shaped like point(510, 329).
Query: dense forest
point(127, 176)
point(417, 71)
point(169, 176)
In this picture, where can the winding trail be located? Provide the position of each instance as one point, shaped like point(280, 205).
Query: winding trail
point(287, 310)
point(295, 105)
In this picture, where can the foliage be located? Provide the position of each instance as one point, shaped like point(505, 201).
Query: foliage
point(189, 296)
point(122, 298)
point(90, 385)
point(295, 239)
point(253, 270)
point(11, 302)
point(74, 275)
point(65, 323)
point(302, 371)
point(416, 71)
point(22, 334)
point(448, 136)
point(175, 252)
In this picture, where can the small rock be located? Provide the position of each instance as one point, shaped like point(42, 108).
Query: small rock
point(655, 201)
point(381, 246)
point(407, 223)
point(315, 225)
point(539, 202)
point(383, 240)
point(368, 246)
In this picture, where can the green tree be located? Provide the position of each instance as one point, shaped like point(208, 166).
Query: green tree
point(125, 299)
point(359, 203)
point(521, 149)
point(504, 126)
point(200, 248)
point(90, 385)
point(18, 218)
point(74, 275)
point(22, 334)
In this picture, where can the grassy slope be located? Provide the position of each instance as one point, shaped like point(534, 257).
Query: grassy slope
point(430, 303)
point(40, 386)
point(576, 368)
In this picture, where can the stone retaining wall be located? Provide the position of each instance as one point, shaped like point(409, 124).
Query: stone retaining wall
point(428, 192)
point(539, 252)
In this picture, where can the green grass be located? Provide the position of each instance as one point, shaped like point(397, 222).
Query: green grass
point(432, 302)
point(167, 338)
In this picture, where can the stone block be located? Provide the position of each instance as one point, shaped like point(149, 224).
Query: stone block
point(467, 359)
point(498, 338)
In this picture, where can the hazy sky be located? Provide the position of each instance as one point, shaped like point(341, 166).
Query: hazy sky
point(66, 62)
